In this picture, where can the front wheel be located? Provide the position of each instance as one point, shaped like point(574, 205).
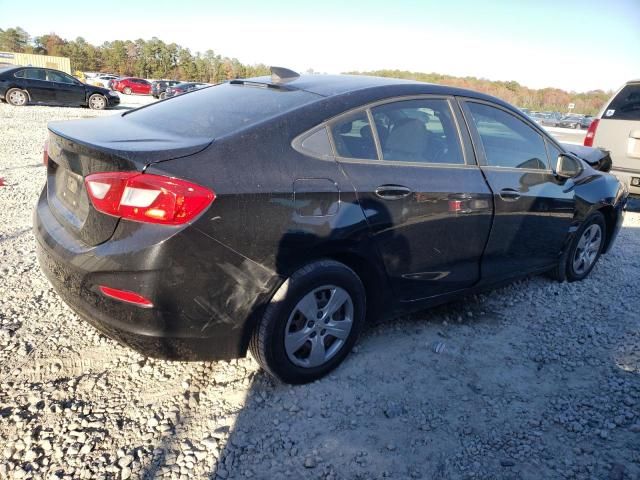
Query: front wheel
point(311, 323)
point(97, 102)
point(584, 250)
point(17, 97)
point(126, 91)
point(163, 95)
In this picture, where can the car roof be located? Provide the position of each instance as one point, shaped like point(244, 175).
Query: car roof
point(335, 85)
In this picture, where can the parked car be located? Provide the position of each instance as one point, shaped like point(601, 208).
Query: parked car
point(20, 86)
point(184, 87)
point(278, 213)
point(159, 87)
point(130, 85)
point(575, 121)
point(617, 129)
point(544, 119)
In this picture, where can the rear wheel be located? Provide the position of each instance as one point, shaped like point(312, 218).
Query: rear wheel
point(97, 102)
point(163, 95)
point(126, 91)
point(311, 323)
point(584, 250)
point(17, 97)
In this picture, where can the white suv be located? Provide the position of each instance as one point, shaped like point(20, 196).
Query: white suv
point(617, 129)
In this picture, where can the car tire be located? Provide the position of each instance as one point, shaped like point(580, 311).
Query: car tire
point(126, 91)
point(163, 95)
point(17, 97)
point(98, 102)
point(583, 251)
point(299, 348)
point(577, 126)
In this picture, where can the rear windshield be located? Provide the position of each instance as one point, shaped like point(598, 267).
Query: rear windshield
point(625, 105)
point(219, 110)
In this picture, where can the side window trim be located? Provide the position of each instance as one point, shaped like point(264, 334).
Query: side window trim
point(477, 141)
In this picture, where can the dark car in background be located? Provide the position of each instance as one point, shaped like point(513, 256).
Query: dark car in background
point(575, 121)
point(184, 87)
point(545, 119)
point(131, 85)
point(20, 86)
point(159, 87)
point(276, 214)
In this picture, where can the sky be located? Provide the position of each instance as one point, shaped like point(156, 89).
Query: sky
point(576, 45)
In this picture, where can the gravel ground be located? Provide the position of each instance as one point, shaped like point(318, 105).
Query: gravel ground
point(538, 380)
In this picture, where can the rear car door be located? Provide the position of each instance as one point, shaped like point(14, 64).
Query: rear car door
point(68, 91)
point(533, 208)
point(36, 84)
point(618, 131)
point(426, 202)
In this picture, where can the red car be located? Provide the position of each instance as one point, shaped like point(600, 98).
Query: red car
point(131, 85)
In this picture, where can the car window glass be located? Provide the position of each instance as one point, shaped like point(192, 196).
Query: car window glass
point(353, 138)
point(507, 141)
point(554, 152)
point(418, 131)
point(318, 143)
point(35, 74)
point(58, 77)
point(20, 74)
point(626, 104)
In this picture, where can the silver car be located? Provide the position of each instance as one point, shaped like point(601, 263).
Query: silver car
point(617, 129)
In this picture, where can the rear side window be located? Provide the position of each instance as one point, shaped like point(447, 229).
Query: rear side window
point(507, 141)
point(418, 131)
point(33, 74)
point(220, 110)
point(625, 105)
point(353, 138)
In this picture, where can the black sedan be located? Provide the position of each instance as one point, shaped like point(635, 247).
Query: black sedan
point(20, 86)
point(278, 214)
point(575, 122)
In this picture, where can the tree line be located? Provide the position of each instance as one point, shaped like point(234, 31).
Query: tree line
point(157, 59)
point(140, 58)
point(542, 99)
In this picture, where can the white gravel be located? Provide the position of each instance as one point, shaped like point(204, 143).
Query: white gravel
point(538, 380)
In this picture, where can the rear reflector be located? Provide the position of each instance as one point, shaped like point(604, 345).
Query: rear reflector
point(126, 296)
point(591, 133)
point(149, 198)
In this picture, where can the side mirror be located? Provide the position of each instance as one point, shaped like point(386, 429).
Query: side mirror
point(567, 166)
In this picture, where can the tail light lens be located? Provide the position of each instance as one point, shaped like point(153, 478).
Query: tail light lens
point(591, 133)
point(148, 198)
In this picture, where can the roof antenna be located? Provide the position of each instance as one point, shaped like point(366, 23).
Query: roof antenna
point(283, 75)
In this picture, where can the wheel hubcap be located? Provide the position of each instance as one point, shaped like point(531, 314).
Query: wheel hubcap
point(587, 249)
point(318, 326)
point(97, 102)
point(17, 98)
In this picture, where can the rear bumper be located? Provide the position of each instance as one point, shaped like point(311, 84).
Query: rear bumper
point(625, 175)
point(203, 305)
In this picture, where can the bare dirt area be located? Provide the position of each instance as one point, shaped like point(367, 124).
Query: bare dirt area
point(538, 380)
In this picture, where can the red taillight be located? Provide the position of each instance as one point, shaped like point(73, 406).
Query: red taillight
point(144, 197)
point(126, 296)
point(591, 133)
point(45, 153)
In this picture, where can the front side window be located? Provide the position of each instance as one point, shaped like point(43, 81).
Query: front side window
point(353, 138)
point(507, 141)
point(418, 131)
point(59, 77)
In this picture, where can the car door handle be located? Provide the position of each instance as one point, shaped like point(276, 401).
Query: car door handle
point(509, 194)
point(392, 192)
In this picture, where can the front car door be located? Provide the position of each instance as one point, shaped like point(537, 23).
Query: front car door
point(68, 91)
point(426, 202)
point(534, 209)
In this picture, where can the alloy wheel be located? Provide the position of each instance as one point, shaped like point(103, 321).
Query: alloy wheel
point(97, 102)
point(587, 249)
point(318, 326)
